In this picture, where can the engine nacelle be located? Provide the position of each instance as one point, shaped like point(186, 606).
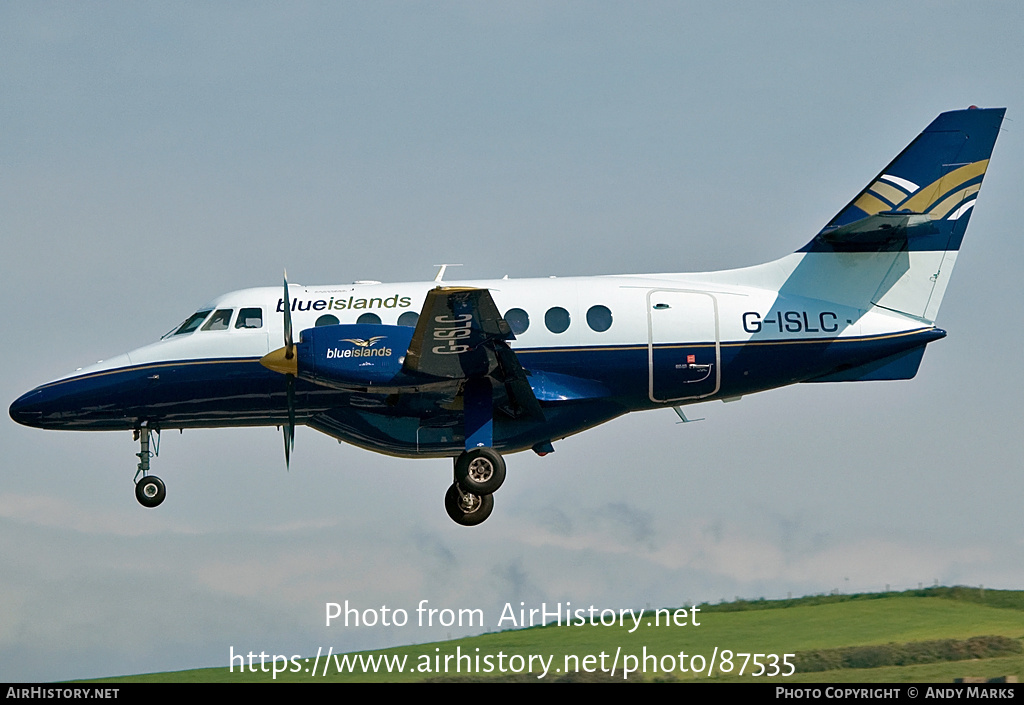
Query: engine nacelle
point(352, 356)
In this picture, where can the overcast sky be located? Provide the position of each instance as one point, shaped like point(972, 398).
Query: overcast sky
point(155, 155)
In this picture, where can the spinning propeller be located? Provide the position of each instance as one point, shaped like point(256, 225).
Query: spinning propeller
point(283, 360)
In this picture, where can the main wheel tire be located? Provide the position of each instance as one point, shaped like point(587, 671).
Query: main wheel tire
point(466, 508)
point(150, 491)
point(480, 471)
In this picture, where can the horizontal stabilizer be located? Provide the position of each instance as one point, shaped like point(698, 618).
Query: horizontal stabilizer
point(879, 229)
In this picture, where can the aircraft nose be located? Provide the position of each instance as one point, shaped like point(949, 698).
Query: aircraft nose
point(26, 410)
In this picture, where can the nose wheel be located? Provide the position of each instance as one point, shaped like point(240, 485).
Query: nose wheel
point(150, 491)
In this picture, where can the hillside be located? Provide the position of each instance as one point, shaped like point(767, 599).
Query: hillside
point(933, 635)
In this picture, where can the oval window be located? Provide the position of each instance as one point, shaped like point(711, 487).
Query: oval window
point(518, 320)
point(327, 320)
point(369, 318)
point(408, 318)
point(599, 318)
point(557, 319)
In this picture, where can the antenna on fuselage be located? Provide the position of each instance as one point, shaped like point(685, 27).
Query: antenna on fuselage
point(440, 273)
point(680, 414)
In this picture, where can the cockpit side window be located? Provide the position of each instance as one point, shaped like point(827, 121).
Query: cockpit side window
point(192, 322)
point(250, 318)
point(220, 320)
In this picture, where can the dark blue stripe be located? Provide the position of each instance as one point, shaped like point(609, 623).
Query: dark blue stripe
point(234, 392)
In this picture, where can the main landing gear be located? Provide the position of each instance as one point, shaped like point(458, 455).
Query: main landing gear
point(150, 490)
point(479, 473)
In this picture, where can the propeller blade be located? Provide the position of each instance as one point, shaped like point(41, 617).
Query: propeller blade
point(289, 344)
point(284, 361)
point(289, 428)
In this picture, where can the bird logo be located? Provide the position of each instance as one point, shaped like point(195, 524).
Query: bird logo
point(359, 342)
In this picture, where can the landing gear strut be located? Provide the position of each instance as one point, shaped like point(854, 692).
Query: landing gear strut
point(479, 470)
point(150, 490)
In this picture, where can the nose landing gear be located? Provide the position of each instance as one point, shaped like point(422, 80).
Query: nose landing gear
point(150, 490)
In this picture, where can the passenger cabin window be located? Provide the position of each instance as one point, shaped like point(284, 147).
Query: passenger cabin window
point(371, 318)
point(327, 320)
point(220, 320)
point(408, 318)
point(192, 322)
point(557, 319)
point(518, 320)
point(250, 318)
point(599, 318)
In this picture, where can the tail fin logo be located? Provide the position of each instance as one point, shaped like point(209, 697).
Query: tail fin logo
point(949, 196)
point(932, 185)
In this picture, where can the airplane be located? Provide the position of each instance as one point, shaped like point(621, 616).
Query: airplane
point(480, 369)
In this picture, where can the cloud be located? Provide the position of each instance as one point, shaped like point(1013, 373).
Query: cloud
point(55, 513)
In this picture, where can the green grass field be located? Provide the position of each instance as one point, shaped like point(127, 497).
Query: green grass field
point(813, 624)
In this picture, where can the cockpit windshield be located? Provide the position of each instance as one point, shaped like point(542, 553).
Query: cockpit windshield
point(191, 323)
point(248, 318)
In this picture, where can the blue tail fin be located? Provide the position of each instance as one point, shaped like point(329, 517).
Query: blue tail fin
point(922, 200)
point(893, 247)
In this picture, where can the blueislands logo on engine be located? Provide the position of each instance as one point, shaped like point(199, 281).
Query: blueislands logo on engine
point(363, 348)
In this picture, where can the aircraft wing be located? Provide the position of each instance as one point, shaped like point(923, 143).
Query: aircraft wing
point(461, 335)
